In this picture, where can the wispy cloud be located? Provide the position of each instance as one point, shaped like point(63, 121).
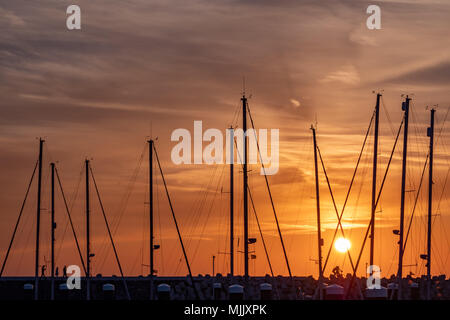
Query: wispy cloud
point(347, 75)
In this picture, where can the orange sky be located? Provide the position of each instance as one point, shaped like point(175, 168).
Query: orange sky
point(149, 67)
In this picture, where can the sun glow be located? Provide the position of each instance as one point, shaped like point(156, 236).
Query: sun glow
point(342, 245)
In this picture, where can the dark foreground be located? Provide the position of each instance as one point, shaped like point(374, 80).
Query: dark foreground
point(301, 288)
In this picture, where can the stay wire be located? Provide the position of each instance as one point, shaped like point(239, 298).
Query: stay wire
point(350, 187)
point(270, 195)
point(376, 204)
point(18, 219)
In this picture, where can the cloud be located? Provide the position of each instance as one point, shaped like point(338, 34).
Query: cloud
point(362, 37)
point(295, 102)
point(347, 75)
point(10, 18)
point(436, 74)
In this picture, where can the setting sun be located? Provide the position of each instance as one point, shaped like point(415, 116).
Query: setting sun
point(342, 245)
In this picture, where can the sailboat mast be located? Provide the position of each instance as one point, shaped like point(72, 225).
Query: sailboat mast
point(88, 245)
point(150, 170)
point(231, 201)
point(53, 226)
point(245, 182)
point(319, 235)
point(374, 178)
point(430, 134)
point(38, 222)
point(405, 108)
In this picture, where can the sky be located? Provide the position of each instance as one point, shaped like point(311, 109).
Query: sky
point(140, 69)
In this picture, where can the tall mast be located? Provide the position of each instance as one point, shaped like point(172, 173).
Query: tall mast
point(88, 245)
point(53, 226)
point(319, 235)
point(150, 170)
point(374, 178)
point(231, 202)
point(405, 107)
point(38, 222)
point(176, 226)
point(430, 133)
point(245, 190)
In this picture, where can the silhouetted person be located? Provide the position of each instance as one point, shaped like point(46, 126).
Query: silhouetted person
point(64, 272)
point(337, 272)
point(43, 268)
point(57, 272)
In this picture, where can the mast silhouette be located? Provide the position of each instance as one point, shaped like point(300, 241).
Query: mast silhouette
point(430, 133)
point(88, 245)
point(150, 170)
point(245, 184)
point(319, 235)
point(38, 222)
point(176, 225)
point(53, 226)
point(405, 108)
point(231, 201)
point(374, 178)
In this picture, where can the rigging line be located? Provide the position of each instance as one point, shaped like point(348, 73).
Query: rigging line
point(351, 185)
point(143, 234)
point(260, 232)
point(339, 221)
point(109, 233)
point(443, 124)
point(74, 197)
point(24, 250)
point(335, 208)
point(437, 252)
point(256, 216)
point(387, 115)
point(392, 260)
point(196, 213)
point(208, 215)
point(236, 114)
point(225, 263)
point(446, 239)
point(411, 181)
point(438, 208)
point(122, 207)
point(418, 144)
point(176, 224)
point(270, 194)
point(139, 256)
point(158, 210)
point(300, 203)
point(200, 203)
point(18, 219)
point(415, 202)
point(70, 220)
point(358, 197)
point(376, 204)
point(129, 189)
point(26, 220)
